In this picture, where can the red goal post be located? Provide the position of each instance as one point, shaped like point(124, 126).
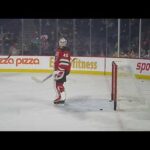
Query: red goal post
point(114, 84)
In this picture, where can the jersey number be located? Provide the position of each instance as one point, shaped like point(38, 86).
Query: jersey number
point(66, 55)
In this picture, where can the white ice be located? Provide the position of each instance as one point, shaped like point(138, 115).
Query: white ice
point(28, 106)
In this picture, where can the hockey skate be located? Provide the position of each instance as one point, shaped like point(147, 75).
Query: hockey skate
point(59, 100)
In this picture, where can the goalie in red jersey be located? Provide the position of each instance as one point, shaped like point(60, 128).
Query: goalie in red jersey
point(62, 67)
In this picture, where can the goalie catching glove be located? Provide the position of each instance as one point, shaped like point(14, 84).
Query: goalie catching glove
point(58, 75)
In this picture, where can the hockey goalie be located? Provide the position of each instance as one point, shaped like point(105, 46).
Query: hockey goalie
point(62, 68)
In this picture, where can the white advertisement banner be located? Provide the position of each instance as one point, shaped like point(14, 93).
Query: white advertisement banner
point(24, 62)
point(100, 64)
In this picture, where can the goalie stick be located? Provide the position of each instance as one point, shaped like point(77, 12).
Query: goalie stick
point(41, 81)
point(49, 76)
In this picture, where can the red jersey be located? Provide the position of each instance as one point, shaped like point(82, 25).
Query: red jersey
point(62, 59)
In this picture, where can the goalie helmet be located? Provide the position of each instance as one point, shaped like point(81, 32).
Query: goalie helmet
point(62, 42)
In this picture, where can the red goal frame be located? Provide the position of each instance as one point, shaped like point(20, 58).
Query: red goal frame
point(114, 84)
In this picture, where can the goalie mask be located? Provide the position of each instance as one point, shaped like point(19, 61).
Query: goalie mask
point(62, 42)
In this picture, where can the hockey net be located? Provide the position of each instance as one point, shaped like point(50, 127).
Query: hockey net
point(125, 88)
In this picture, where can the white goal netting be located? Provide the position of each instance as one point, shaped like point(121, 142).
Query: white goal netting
point(129, 92)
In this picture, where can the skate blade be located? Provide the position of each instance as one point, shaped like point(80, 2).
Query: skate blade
point(59, 102)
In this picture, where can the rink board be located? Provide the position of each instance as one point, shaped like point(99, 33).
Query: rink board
point(81, 65)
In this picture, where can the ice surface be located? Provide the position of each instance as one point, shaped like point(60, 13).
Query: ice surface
point(28, 106)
